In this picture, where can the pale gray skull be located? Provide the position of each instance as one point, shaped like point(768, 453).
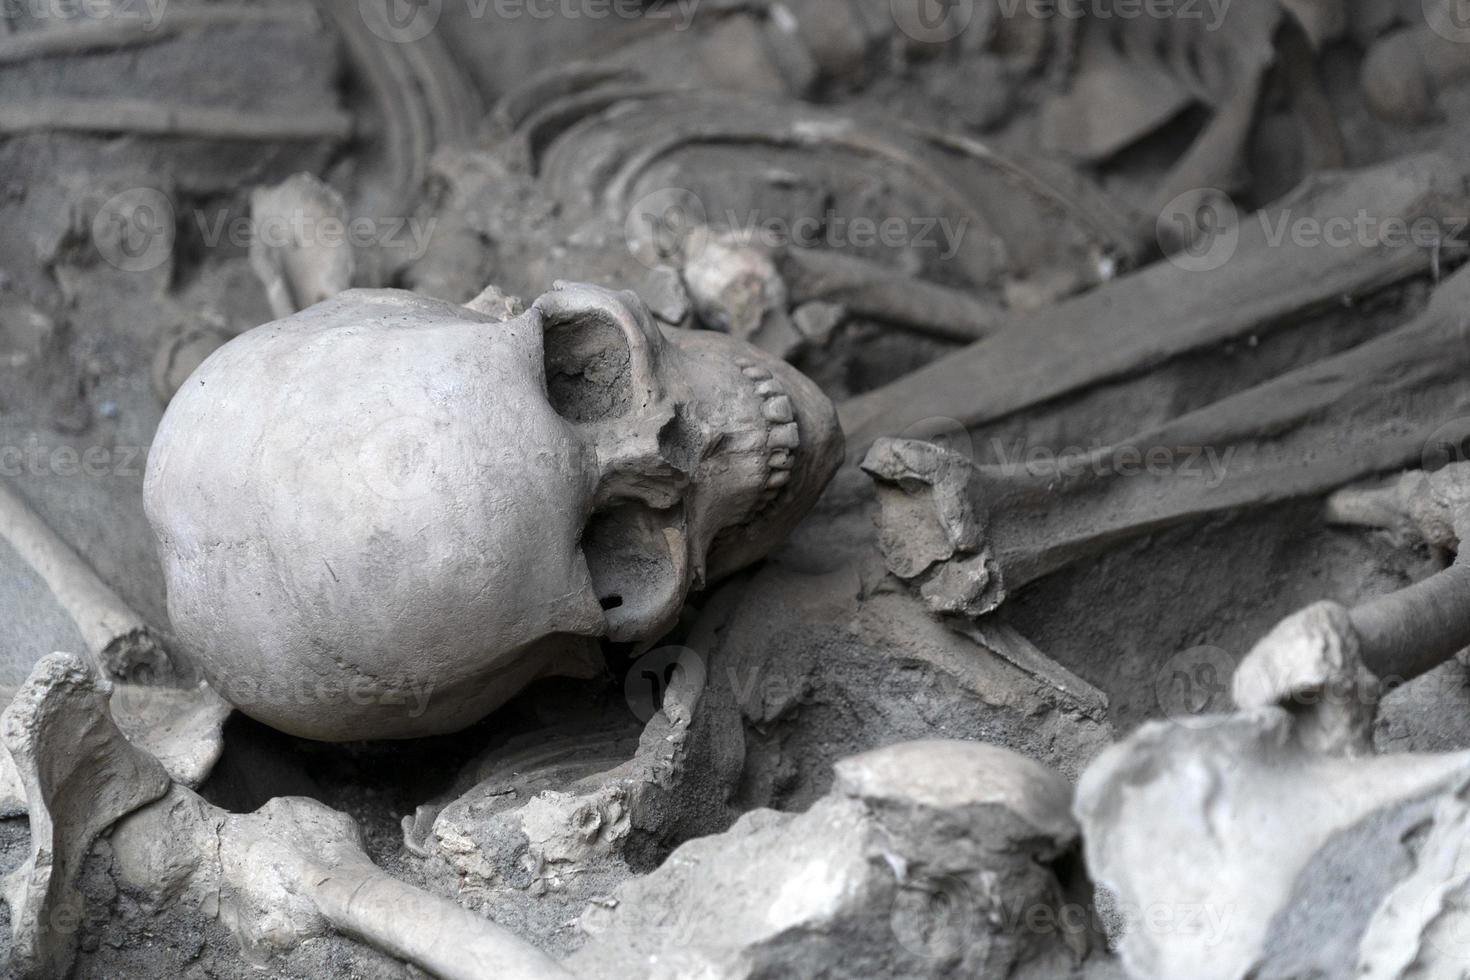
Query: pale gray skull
point(383, 516)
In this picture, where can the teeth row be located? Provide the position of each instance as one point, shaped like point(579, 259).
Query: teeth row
point(782, 436)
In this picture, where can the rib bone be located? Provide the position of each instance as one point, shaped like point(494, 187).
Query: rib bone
point(1365, 411)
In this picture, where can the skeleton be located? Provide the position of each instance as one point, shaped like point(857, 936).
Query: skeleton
point(511, 491)
point(969, 533)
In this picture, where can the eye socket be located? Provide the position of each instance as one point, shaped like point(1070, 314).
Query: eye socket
point(589, 376)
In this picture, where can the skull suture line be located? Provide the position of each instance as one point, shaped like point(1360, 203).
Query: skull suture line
point(383, 516)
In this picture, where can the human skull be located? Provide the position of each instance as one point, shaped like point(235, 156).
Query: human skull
point(383, 516)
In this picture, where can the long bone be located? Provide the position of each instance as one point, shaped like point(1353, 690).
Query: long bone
point(291, 870)
point(1368, 410)
point(117, 637)
point(1134, 323)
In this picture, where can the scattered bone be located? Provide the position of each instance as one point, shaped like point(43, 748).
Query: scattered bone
point(573, 804)
point(418, 100)
point(1404, 73)
point(817, 320)
point(295, 869)
point(896, 872)
point(1344, 414)
point(603, 150)
point(80, 775)
point(111, 33)
point(119, 115)
point(183, 348)
point(869, 290)
point(182, 729)
point(1138, 321)
point(1233, 824)
point(1332, 656)
point(736, 288)
point(589, 473)
point(121, 644)
point(301, 271)
point(25, 333)
point(1134, 75)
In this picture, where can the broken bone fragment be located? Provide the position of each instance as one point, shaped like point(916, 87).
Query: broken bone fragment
point(297, 248)
point(383, 516)
point(927, 859)
point(1327, 661)
point(80, 775)
point(1236, 850)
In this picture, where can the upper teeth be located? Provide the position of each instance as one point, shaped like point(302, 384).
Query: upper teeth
point(783, 438)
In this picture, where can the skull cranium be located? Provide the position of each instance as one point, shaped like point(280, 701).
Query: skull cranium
point(383, 516)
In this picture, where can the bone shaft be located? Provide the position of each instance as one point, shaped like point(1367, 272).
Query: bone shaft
point(1246, 450)
point(1142, 320)
point(99, 613)
point(1411, 631)
point(138, 117)
point(440, 936)
point(903, 301)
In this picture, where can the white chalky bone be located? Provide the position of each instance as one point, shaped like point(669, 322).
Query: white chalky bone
point(118, 639)
point(80, 775)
